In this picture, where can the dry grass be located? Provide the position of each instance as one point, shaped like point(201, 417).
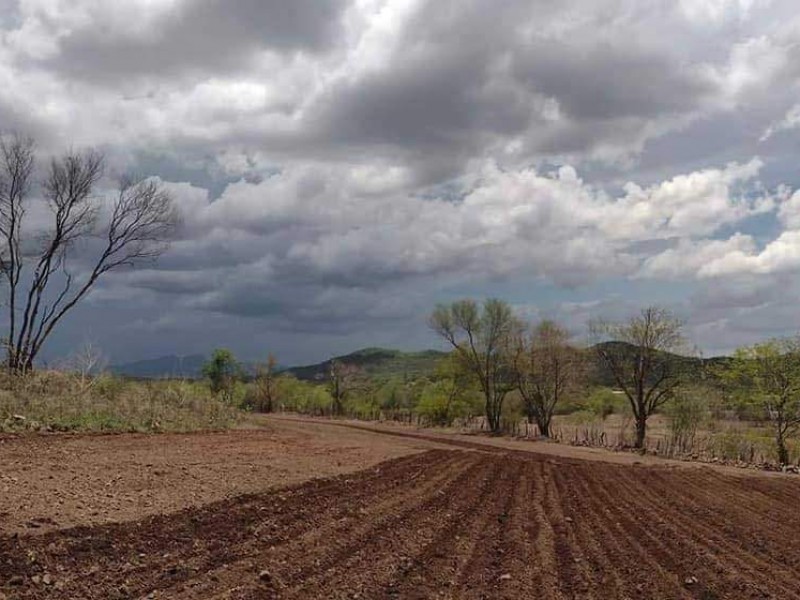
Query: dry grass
point(59, 401)
point(724, 440)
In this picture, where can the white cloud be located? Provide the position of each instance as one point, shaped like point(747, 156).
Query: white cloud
point(354, 226)
point(689, 257)
point(781, 254)
point(790, 121)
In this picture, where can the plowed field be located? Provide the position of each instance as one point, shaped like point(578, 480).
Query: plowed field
point(444, 523)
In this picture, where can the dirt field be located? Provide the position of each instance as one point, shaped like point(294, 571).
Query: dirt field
point(462, 520)
point(58, 481)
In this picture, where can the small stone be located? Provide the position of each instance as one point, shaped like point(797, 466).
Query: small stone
point(47, 580)
point(690, 580)
point(568, 519)
point(265, 576)
point(505, 576)
point(37, 579)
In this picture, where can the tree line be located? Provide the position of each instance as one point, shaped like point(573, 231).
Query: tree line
point(496, 356)
point(646, 355)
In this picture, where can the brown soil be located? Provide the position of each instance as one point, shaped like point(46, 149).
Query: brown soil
point(445, 523)
point(64, 480)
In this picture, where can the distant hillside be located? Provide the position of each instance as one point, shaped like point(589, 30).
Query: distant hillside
point(377, 362)
point(693, 367)
point(162, 367)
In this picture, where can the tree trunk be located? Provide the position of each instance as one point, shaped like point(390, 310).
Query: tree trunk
point(641, 432)
point(492, 415)
point(530, 416)
point(544, 427)
point(783, 451)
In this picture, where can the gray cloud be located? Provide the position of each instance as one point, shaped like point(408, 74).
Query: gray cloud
point(343, 165)
point(199, 37)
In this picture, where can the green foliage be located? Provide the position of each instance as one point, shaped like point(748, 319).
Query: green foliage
point(437, 404)
point(480, 337)
point(295, 395)
point(452, 394)
point(767, 375)
point(603, 402)
point(222, 372)
point(686, 413)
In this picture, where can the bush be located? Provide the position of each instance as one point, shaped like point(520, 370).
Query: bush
point(603, 402)
point(686, 412)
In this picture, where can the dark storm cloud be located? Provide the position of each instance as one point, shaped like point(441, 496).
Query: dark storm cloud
point(461, 83)
point(605, 81)
point(202, 36)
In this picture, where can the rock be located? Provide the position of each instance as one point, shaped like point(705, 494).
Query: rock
point(37, 579)
point(505, 576)
point(265, 576)
point(690, 580)
point(47, 580)
point(568, 519)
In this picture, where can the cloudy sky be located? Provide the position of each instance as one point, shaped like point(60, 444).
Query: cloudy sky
point(343, 165)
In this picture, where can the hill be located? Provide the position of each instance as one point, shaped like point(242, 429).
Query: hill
point(692, 367)
point(377, 362)
point(382, 363)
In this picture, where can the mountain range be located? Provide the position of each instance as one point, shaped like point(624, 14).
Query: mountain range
point(376, 362)
point(373, 361)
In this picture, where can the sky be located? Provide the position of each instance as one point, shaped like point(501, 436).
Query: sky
point(341, 166)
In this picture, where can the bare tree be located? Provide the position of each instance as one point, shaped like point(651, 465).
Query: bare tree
point(86, 362)
point(546, 368)
point(266, 375)
point(482, 339)
point(343, 380)
point(42, 284)
point(640, 354)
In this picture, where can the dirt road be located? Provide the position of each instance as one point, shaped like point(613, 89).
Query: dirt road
point(485, 522)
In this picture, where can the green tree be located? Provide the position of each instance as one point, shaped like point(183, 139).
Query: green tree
point(640, 354)
point(222, 372)
point(450, 395)
point(769, 374)
point(481, 337)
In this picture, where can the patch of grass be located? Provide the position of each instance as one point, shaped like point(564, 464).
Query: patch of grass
point(58, 401)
